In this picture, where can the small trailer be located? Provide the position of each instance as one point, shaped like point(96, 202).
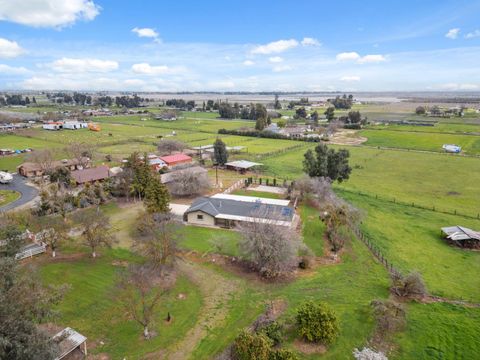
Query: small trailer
point(5, 177)
point(451, 148)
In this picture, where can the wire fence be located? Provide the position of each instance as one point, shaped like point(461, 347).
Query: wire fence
point(415, 205)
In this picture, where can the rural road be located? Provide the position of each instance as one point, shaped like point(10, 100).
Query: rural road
point(28, 193)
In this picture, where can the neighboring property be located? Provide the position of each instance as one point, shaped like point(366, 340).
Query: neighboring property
point(91, 175)
point(29, 169)
point(166, 116)
point(71, 344)
point(176, 159)
point(53, 125)
point(156, 163)
point(462, 237)
point(227, 210)
point(241, 165)
point(74, 125)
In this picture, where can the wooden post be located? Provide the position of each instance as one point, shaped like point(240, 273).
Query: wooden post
point(85, 348)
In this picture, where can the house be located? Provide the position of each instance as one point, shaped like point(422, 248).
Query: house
point(226, 210)
point(167, 116)
point(71, 344)
point(156, 163)
point(53, 125)
point(295, 132)
point(176, 159)
point(74, 125)
point(462, 236)
point(241, 165)
point(29, 169)
point(91, 175)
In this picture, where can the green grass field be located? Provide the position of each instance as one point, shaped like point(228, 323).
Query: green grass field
point(8, 196)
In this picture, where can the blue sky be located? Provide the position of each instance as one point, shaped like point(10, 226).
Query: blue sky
point(239, 45)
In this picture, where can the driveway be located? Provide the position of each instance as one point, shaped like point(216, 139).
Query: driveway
point(19, 183)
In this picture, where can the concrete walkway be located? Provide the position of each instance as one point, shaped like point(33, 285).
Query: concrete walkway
point(27, 192)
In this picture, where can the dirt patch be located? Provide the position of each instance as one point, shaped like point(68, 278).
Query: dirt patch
point(347, 137)
point(453, 193)
point(122, 263)
point(309, 348)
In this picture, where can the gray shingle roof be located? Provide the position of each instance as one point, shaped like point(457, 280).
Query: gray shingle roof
point(214, 207)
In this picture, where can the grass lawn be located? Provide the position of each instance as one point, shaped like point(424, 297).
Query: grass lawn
point(8, 196)
point(411, 239)
point(209, 240)
point(91, 308)
point(421, 140)
point(439, 331)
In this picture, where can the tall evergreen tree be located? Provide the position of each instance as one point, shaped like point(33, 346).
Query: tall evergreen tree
point(220, 152)
point(157, 197)
point(325, 162)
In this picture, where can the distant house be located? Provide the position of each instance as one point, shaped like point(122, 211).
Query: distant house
point(53, 125)
point(74, 125)
point(462, 236)
point(241, 165)
point(228, 210)
point(90, 175)
point(166, 116)
point(176, 159)
point(295, 132)
point(29, 169)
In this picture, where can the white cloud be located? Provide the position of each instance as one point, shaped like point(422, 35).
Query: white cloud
point(350, 78)
point(354, 56)
point(48, 13)
point(147, 69)
point(248, 63)
point(11, 70)
point(281, 68)
point(308, 41)
point(473, 34)
point(348, 56)
point(455, 86)
point(452, 33)
point(371, 59)
point(54, 82)
point(70, 65)
point(275, 59)
point(146, 32)
point(275, 47)
point(134, 82)
point(9, 49)
point(220, 85)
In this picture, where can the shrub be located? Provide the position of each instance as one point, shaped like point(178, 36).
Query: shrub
point(283, 354)
point(252, 347)
point(317, 322)
point(409, 286)
point(390, 316)
point(273, 331)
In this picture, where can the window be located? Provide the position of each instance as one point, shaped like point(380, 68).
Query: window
point(199, 217)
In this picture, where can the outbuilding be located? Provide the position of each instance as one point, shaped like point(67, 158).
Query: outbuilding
point(241, 165)
point(176, 159)
point(462, 236)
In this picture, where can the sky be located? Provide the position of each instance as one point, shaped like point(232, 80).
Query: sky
point(235, 45)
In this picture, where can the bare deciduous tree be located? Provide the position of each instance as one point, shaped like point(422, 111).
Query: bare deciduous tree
point(53, 233)
point(168, 146)
point(81, 152)
point(140, 293)
point(390, 316)
point(188, 182)
point(43, 158)
point(271, 248)
point(408, 286)
point(157, 239)
point(97, 231)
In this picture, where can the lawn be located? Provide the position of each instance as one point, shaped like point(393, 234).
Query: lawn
point(421, 140)
point(91, 308)
point(8, 196)
point(410, 238)
point(439, 331)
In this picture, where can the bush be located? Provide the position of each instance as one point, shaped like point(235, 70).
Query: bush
point(409, 286)
point(283, 354)
point(273, 331)
point(252, 347)
point(317, 322)
point(389, 315)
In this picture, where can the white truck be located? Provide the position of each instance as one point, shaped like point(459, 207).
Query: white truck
point(5, 177)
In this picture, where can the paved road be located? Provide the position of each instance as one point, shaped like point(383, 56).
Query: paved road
point(28, 193)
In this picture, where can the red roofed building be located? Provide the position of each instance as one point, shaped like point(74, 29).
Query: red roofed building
point(177, 159)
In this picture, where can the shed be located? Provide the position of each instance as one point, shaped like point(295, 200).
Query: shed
point(69, 341)
point(91, 175)
point(462, 236)
point(241, 165)
point(176, 159)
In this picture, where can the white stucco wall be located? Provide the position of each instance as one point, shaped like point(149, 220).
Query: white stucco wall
point(207, 219)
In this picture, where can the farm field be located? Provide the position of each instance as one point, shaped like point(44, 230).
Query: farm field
point(421, 140)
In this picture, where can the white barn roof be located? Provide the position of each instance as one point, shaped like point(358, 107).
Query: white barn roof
point(242, 164)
